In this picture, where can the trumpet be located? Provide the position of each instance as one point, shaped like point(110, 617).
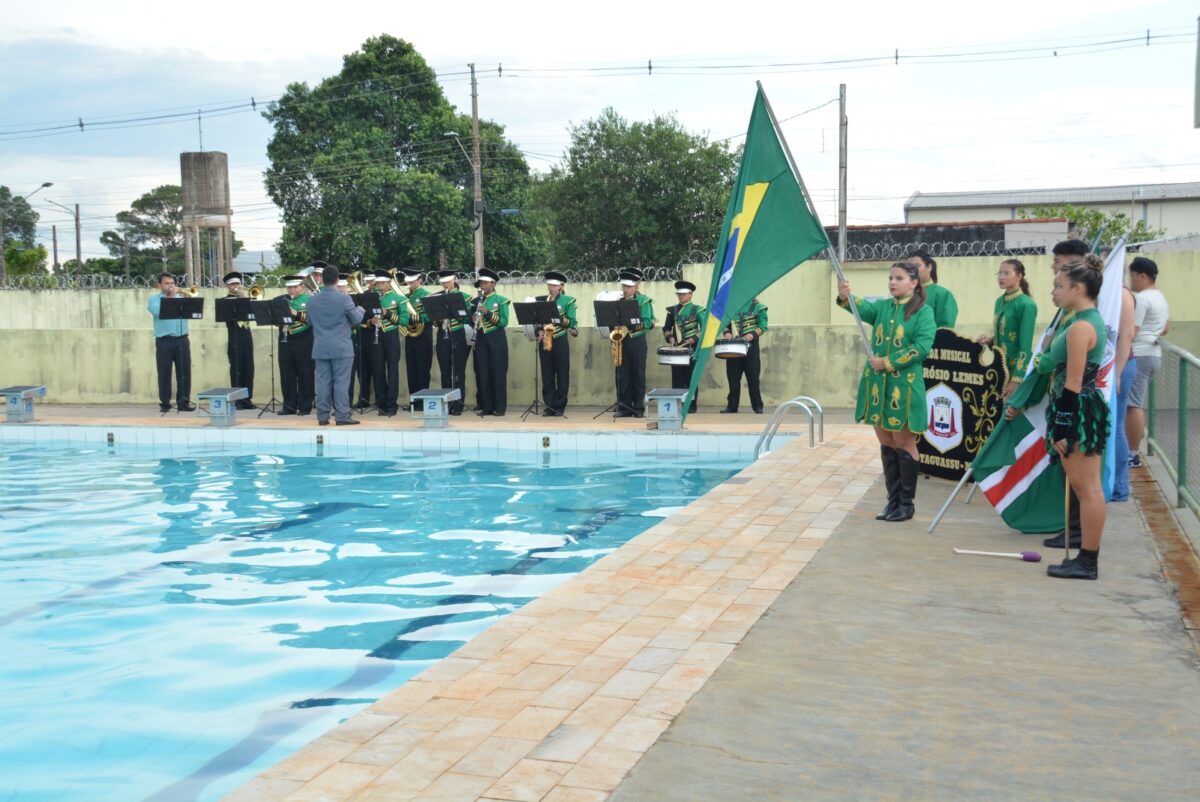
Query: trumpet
point(256, 293)
point(617, 338)
point(192, 291)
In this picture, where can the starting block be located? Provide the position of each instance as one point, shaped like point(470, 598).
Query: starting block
point(435, 406)
point(18, 401)
point(222, 411)
point(669, 417)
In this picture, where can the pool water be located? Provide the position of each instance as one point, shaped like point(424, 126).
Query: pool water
point(171, 626)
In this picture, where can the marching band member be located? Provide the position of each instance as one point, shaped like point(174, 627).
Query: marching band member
point(686, 316)
point(491, 346)
point(385, 367)
point(1013, 319)
point(891, 392)
point(171, 348)
point(452, 343)
point(556, 361)
point(239, 348)
point(940, 299)
point(631, 375)
point(418, 351)
point(751, 322)
point(296, 366)
point(364, 337)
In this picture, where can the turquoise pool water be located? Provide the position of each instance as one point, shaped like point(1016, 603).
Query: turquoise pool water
point(172, 625)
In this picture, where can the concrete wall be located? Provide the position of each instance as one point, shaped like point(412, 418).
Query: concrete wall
point(1175, 216)
point(97, 346)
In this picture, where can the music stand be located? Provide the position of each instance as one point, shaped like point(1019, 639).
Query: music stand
point(611, 314)
point(275, 312)
point(446, 306)
point(234, 310)
point(537, 314)
point(181, 309)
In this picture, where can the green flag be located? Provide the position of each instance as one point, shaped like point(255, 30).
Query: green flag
point(769, 230)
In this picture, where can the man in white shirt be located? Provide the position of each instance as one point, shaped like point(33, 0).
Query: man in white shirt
point(1153, 320)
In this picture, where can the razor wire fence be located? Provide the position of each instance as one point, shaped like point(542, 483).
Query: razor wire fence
point(1173, 421)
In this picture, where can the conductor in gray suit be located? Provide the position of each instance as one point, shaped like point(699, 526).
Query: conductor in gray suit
point(332, 316)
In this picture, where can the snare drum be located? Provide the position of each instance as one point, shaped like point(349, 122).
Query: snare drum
point(731, 349)
point(674, 355)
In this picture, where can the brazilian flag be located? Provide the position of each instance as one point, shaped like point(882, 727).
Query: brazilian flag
point(769, 230)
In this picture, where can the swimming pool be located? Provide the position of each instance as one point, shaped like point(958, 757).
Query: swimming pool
point(177, 617)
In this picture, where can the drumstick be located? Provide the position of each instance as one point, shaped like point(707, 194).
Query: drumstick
point(1027, 556)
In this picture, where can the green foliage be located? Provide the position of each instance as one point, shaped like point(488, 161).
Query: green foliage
point(1088, 223)
point(635, 194)
point(17, 218)
point(366, 178)
point(22, 261)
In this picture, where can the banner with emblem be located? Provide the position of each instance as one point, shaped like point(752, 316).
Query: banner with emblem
point(964, 387)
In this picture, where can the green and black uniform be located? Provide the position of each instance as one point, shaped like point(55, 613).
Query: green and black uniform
point(556, 363)
point(941, 301)
point(296, 366)
point(240, 351)
point(385, 356)
point(452, 352)
point(683, 325)
point(631, 376)
point(491, 355)
point(1090, 424)
point(751, 320)
point(1013, 320)
point(418, 351)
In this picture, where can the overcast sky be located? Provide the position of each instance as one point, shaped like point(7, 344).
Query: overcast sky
point(940, 120)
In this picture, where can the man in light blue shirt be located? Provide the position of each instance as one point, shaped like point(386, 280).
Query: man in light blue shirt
point(171, 348)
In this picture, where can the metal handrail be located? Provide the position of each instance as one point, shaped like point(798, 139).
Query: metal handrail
point(776, 420)
point(1176, 464)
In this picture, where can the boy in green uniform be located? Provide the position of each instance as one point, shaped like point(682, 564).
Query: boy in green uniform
point(631, 376)
point(418, 351)
point(385, 366)
point(296, 367)
point(452, 347)
point(491, 346)
point(751, 322)
point(556, 362)
point(685, 316)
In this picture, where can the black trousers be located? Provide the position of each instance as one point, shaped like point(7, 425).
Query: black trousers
point(365, 342)
point(177, 352)
point(750, 366)
point(296, 372)
point(418, 360)
point(556, 373)
point(452, 362)
point(385, 371)
point(240, 350)
point(681, 379)
point(354, 366)
point(631, 376)
point(491, 368)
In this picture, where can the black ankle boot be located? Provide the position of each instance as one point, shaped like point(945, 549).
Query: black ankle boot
point(1073, 525)
point(891, 480)
point(1085, 565)
point(909, 474)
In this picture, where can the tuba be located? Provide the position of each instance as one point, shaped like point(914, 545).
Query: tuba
point(355, 283)
point(415, 328)
point(311, 276)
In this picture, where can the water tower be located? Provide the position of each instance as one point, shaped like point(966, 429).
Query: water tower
point(205, 183)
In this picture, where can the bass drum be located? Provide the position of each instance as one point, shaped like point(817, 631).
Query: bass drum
point(731, 349)
point(674, 355)
point(607, 295)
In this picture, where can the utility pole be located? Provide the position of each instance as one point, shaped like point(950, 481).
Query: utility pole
point(842, 125)
point(125, 254)
point(478, 168)
point(78, 245)
point(54, 236)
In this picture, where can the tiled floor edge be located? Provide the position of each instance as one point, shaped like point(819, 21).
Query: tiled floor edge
point(559, 700)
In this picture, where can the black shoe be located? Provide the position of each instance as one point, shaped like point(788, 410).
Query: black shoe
point(1074, 525)
point(287, 412)
point(406, 407)
point(323, 423)
point(456, 412)
point(1074, 568)
point(639, 414)
point(728, 410)
point(909, 473)
point(351, 422)
point(499, 414)
point(244, 404)
point(891, 480)
point(164, 408)
point(1056, 542)
point(758, 410)
point(547, 413)
point(622, 414)
point(186, 406)
point(382, 413)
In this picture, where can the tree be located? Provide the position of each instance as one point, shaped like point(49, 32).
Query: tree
point(23, 261)
point(18, 228)
point(1088, 223)
point(636, 194)
point(366, 177)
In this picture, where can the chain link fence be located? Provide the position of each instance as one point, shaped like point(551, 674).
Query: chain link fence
point(1173, 420)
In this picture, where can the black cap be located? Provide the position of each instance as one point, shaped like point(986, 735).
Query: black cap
point(554, 275)
point(629, 275)
point(445, 274)
point(637, 273)
point(1145, 266)
point(488, 275)
point(234, 276)
point(381, 273)
point(319, 265)
point(343, 276)
point(684, 286)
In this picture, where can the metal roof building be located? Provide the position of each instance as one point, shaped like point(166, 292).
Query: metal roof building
point(1173, 207)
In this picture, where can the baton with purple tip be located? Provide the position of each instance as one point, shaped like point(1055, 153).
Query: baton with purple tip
point(1027, 556)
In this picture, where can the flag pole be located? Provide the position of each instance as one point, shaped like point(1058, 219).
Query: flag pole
point(938, 518)
point(829, 249)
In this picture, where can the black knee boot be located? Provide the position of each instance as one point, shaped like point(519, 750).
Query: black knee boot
point(908, 487)
point(891, 480)
point(1073, 525)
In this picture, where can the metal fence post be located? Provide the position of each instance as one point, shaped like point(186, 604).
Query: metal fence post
point(1151, 408)
point(1182, 435)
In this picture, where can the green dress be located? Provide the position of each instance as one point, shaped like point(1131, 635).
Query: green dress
point(1013, 320)
point(941, 300)
point(1092, 422)
point(894, 398)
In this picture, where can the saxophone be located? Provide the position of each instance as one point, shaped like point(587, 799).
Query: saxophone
point(548, 337)
point(617, 338)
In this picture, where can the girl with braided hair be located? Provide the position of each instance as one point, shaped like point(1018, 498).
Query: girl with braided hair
point(1077, 419)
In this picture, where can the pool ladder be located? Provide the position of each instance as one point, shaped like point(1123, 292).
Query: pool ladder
point(772, 427)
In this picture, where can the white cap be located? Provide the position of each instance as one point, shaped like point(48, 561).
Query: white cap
point(296, 282)
point(343, 282)
point(446, 279)
point(412, 277)
point(554, 282)
point(233, 281)
point(628, 282)
point(380, 279)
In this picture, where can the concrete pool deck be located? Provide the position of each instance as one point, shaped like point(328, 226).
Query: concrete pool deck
point(773, 641)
